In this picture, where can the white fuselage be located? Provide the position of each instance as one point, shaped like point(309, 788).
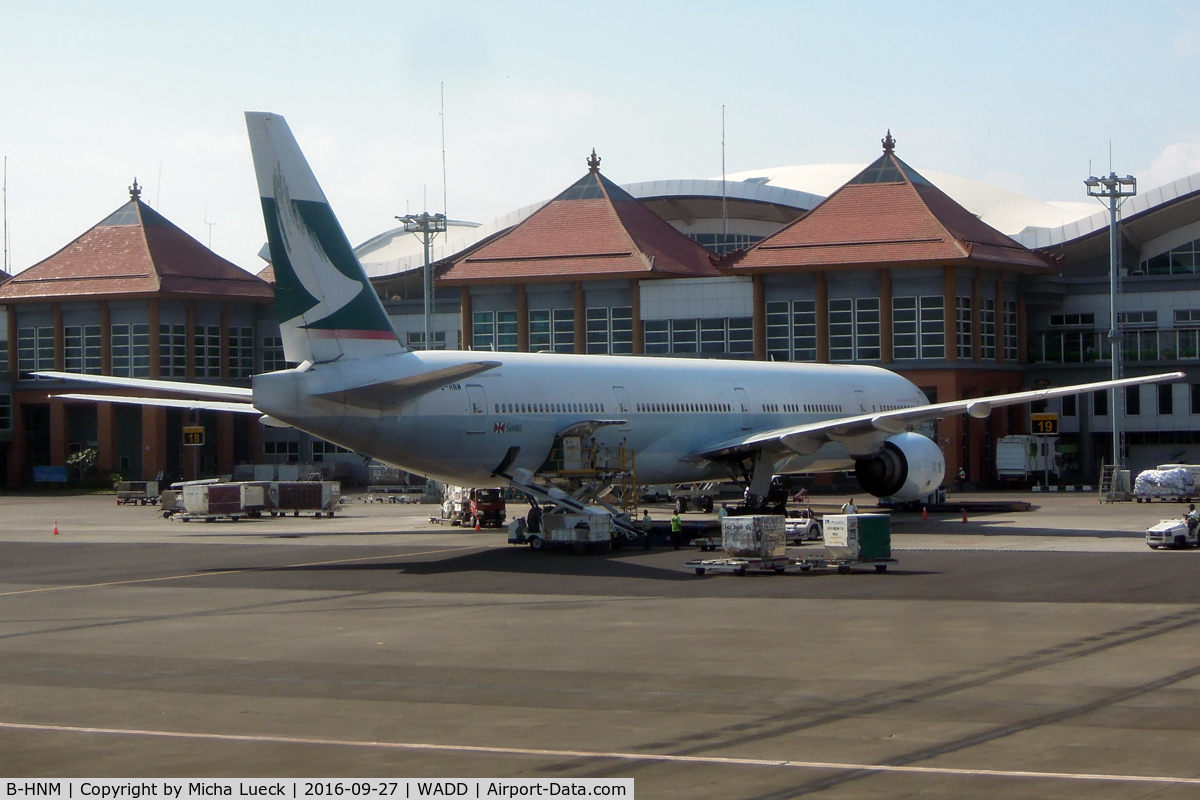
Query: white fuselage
point(668, 408)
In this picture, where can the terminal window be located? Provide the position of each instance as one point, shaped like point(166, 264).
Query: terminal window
point(272, 354)
point(208, 351)
point(130, 350)
point(5, 412)
point(172, 351)
point(241, 352)
point(35, 351)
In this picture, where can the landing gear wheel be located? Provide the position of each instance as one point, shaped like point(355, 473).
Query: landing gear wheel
point(881, 568)
point(699, 570)
point(536, 543)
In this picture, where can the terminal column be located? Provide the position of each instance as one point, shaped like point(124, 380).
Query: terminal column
point(822, 309)
point(522, 319)
point(465, 319)
point(760, 318)
point(885, 316)
point(224, 443)
point(639, 329)
point(105, 441)
point(950, 301)
point(154, 441)
point(58, 432)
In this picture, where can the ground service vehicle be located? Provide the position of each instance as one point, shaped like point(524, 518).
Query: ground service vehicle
point(1171, 533)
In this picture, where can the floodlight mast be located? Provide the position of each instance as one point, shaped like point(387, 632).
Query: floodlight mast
point(1113, 191)
point(426, 226)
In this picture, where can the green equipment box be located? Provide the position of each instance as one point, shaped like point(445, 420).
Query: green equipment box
point(858, 537)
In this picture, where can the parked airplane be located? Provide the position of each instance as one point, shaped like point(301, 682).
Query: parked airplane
point(465, 417)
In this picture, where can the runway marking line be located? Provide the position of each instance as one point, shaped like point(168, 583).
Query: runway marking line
point(234, 571)
point(644, 757)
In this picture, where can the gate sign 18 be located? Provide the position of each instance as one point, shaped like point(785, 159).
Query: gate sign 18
point(193, 435)
point(1044, 424)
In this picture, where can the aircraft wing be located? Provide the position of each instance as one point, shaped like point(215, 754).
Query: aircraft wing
point(168, 402)
point(806, 439)
point(178, 387)
point(394, 394)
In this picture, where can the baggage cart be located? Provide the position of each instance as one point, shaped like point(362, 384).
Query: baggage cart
point(137, 493)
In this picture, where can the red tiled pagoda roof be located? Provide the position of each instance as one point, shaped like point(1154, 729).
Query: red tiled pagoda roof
point(134, 251)
point(593, 229)
point(891, 216)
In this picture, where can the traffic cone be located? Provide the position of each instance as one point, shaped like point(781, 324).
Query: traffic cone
point(478, 525)
point(925, 512)
point(56, 527)
point(964, 519)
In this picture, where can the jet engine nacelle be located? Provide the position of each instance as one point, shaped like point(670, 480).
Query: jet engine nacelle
point(910, 466)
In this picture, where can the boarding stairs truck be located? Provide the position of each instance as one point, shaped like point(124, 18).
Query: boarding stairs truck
point(554, 500)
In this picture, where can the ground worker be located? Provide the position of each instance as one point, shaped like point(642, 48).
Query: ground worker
point(1192, 517)
point(533, 520)
point(647, 527)
point(676, 530)
point(723, 511)
point(849, 507)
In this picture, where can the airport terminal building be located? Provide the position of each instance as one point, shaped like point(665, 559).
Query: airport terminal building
point(964, 289)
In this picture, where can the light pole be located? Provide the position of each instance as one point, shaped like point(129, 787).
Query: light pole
point(425, 226)
point(1113, 191)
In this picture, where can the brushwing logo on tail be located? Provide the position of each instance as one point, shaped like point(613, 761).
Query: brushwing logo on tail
point(312, 260)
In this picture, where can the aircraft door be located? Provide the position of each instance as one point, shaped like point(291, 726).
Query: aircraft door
point(623, 407)
point(743, 408)
point(860, 397)
point(477, 411)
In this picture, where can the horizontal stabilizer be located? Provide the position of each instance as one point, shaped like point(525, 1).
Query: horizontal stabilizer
point(390, 395)
point(177, 387)
point(200, 405)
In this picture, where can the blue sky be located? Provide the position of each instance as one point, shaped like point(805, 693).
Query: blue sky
point(1018, 94)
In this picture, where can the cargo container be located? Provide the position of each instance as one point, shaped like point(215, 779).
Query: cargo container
point(859, 538)
point(759, 536)
point(212, 501)
point(318, 497)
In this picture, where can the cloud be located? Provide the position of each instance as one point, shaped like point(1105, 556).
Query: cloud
point(1177, 161)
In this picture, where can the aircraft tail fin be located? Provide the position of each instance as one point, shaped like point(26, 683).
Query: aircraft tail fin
point(327, 307)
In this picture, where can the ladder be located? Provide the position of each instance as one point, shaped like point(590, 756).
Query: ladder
point(1107, 477)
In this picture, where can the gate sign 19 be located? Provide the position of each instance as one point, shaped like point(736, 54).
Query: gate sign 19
point(1044, 424)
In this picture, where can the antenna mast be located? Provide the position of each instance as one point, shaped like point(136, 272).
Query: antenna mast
point(5, 268)
point(445, 205)
point(210, 227)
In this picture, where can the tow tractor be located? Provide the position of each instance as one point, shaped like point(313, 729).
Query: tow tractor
point(1174, 533)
